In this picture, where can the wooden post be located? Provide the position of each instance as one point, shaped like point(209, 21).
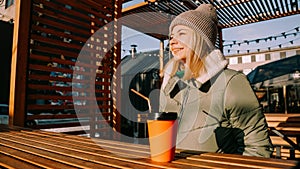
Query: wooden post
point(20, 51)
point(284, 99)
point(161, 56)
point(220, 38)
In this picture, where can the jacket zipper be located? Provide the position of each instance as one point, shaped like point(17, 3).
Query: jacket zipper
point(185, 97)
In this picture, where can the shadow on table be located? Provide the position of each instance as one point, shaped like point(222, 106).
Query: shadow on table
point(297, 166)
point(180, 154)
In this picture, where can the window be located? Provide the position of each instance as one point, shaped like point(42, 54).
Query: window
point(268, 56)
point(240, 60)
point(9, 3)
point(246, 59)
point(253, 59)
point(282, 55)
point(233, 60)
point(290, 53)
point(260, 57)
point(275, 56)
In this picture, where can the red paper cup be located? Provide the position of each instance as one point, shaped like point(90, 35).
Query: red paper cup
point(162, 139)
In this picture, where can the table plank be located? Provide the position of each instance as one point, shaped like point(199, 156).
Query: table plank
point(30, 158)
point(241, 161)
point(253, 159)
point(204, 164)
point(234, 162)
point(8, 161)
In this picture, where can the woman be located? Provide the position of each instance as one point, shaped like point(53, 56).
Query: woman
point(217, 108)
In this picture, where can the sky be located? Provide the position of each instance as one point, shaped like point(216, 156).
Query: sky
point(262, 30)
point(254, 33)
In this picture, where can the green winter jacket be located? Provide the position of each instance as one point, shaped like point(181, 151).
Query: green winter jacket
point(217, 112)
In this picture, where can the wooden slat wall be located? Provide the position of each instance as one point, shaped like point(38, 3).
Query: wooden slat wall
point(61, 31)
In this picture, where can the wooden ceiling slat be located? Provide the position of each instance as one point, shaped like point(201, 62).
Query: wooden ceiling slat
point(223, 20)
point(273, 7)
point(124, 1)
point(136, 8)
point(264, 8)
point(222, 13)
point(269, 7)
point(179, 6)
point(260, 13)
point(173, 10)
point(280, 12)
point(226, 18)
point(248, 12)
point(294, 5)
point(245, 12)
point(282, 7)
point(229, 10)
point(255, 9)
point(232, 9)
point(297, 6)
point(189, 4)
point(253, 12)
point(288, 6)
point(240, 13)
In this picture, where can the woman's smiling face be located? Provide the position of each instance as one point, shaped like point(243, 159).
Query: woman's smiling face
point(180, 40)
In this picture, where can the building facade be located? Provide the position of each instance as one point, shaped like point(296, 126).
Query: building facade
point(277, 95)
point(247, 62)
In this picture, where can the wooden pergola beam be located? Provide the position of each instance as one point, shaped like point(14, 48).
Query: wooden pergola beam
point(20, 49)
point(138, 5)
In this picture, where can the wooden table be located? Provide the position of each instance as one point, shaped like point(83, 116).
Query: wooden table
point(25, 148)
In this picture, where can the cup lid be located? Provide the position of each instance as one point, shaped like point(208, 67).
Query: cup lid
point(167, 116)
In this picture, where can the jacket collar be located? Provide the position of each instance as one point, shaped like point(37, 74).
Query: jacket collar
point(213, 64)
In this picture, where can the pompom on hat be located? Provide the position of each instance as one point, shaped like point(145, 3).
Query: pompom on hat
point(203, 20)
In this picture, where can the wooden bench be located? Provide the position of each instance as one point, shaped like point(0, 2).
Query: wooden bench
point(285, 134)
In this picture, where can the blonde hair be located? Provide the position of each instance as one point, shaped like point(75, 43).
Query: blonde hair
point(198, 49)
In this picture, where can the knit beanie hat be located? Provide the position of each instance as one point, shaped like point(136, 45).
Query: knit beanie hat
point(203, 20)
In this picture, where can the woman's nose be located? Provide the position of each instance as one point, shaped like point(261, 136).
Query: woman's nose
point(173, 41)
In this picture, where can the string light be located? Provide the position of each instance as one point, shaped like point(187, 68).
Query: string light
point(283, 34)
point(263, 49)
